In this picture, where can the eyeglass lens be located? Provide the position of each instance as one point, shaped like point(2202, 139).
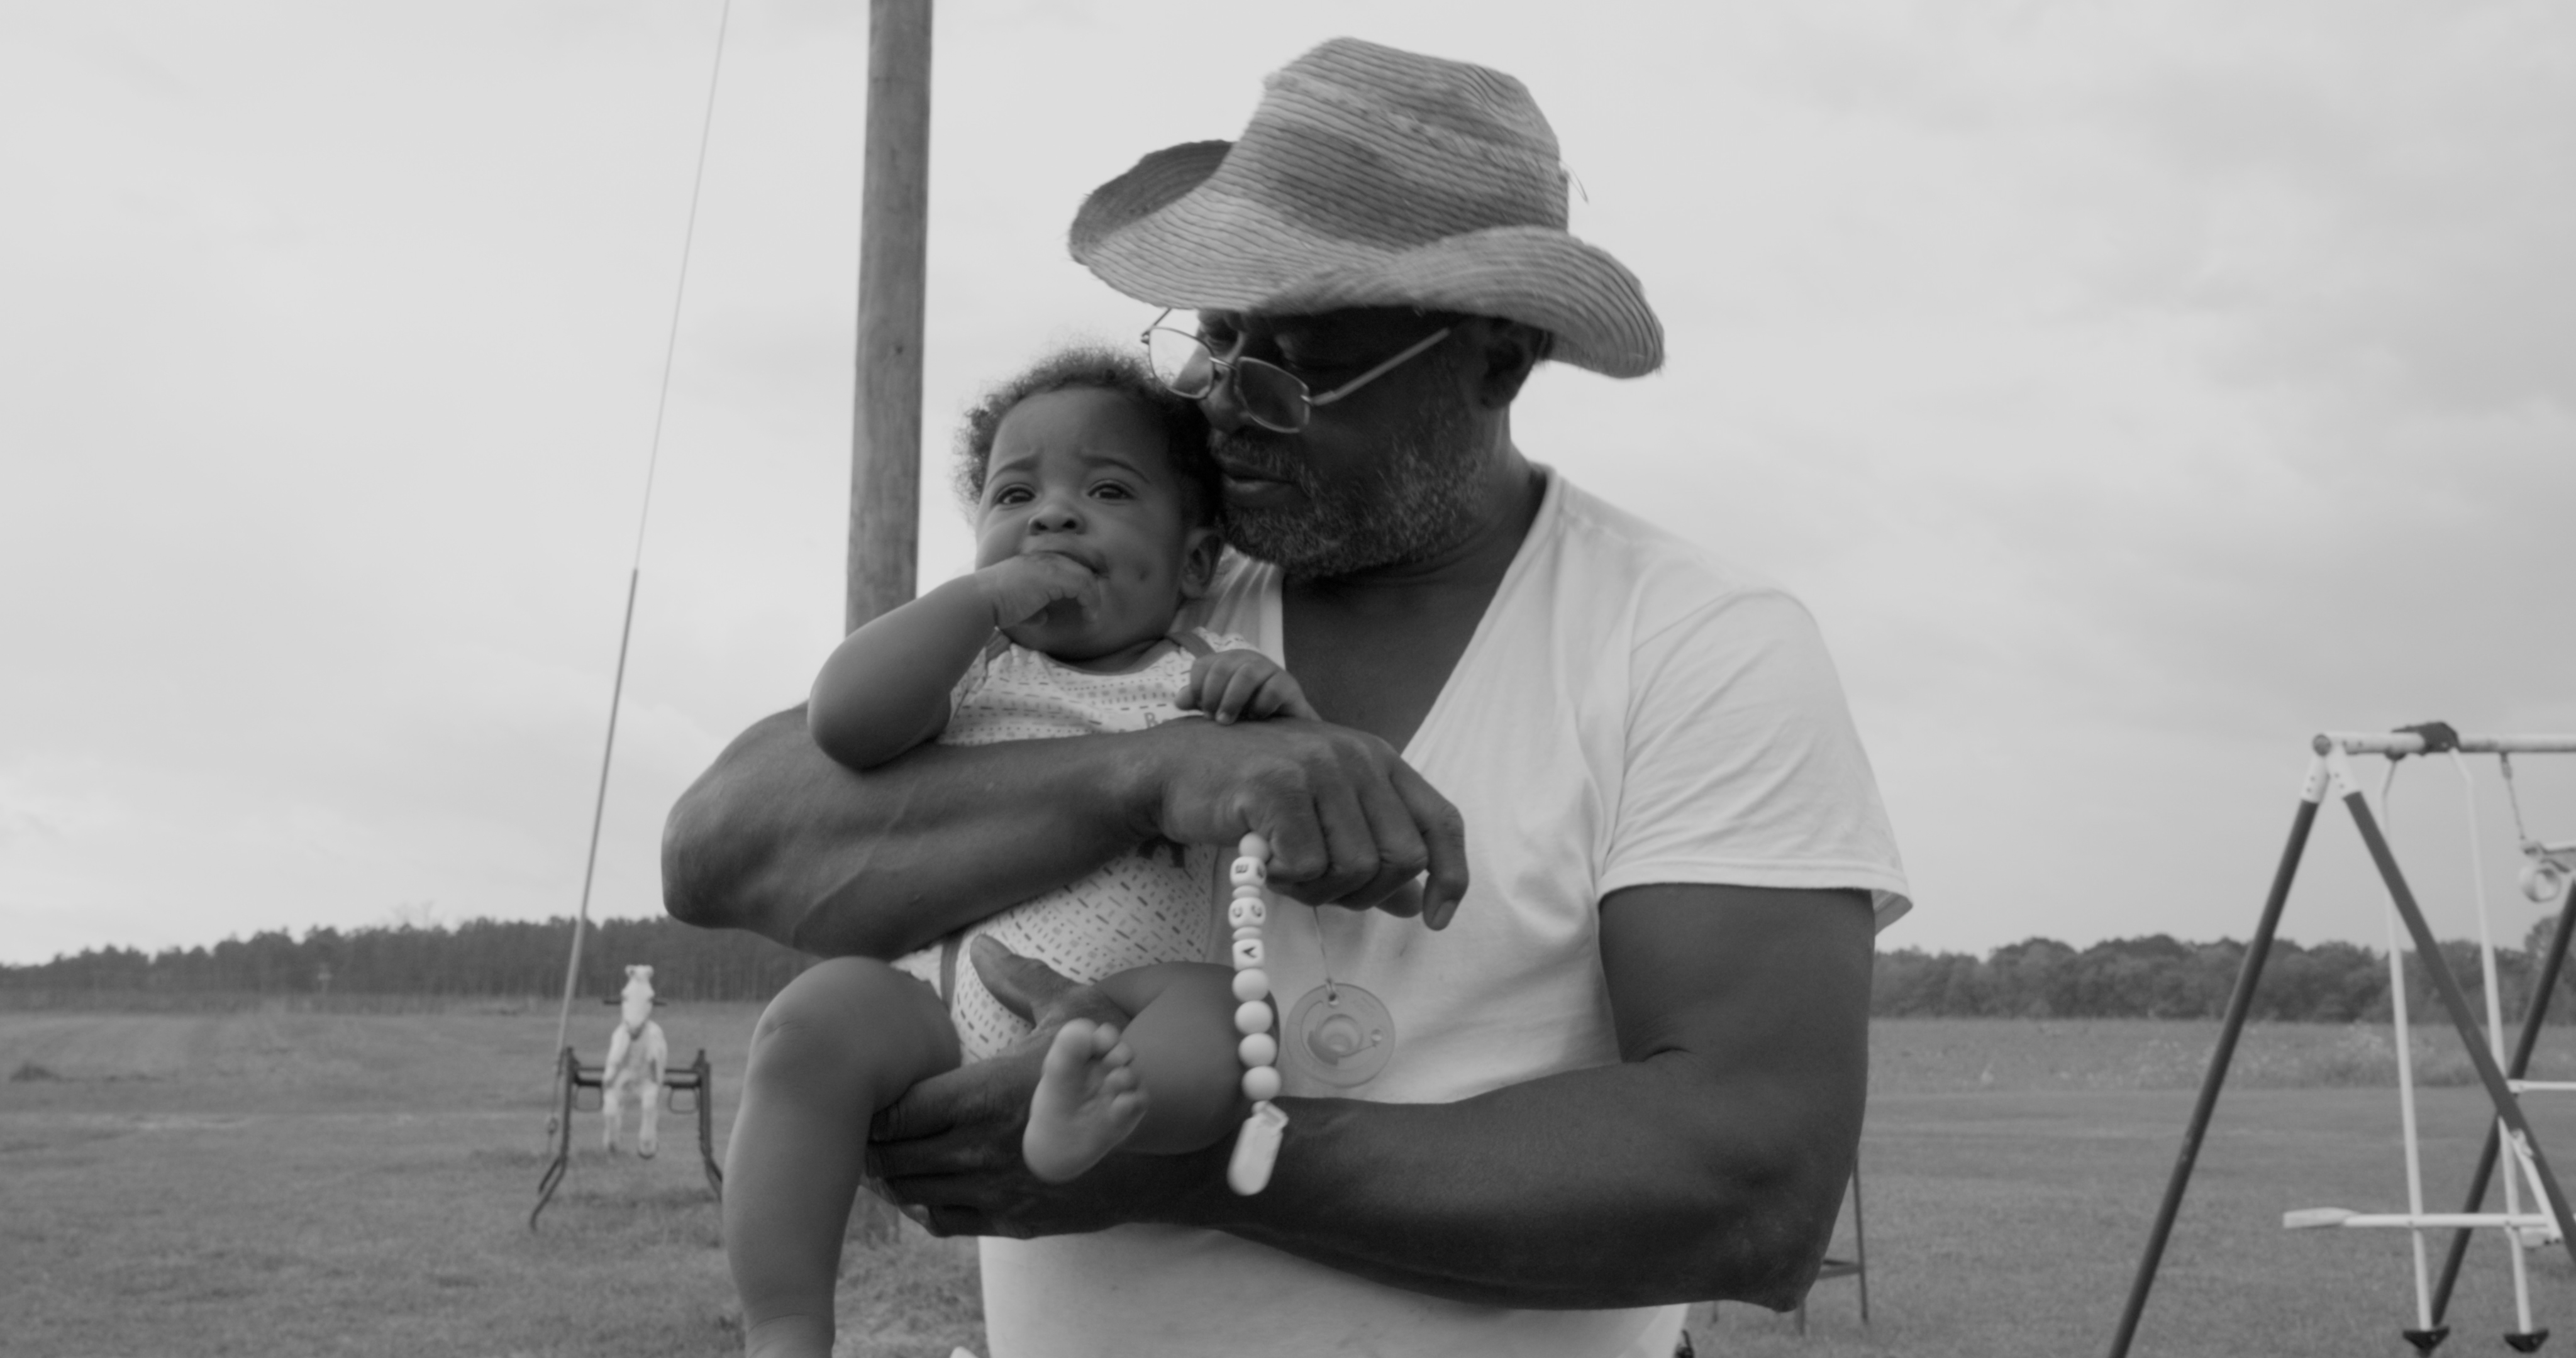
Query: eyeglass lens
point(1272, 396)
point(1180, 361)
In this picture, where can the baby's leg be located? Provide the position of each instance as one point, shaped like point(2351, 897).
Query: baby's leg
point(1178, 1052)
point(843, 1040)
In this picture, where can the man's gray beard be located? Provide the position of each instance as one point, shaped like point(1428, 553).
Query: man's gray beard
point(1423, 500)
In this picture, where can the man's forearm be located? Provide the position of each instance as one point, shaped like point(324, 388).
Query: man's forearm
point(778, 839)
point(1624, 1185)
point(1707, 1165)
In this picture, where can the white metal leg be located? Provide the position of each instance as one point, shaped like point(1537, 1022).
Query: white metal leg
point(2495, 1035)
point(2406, 1113)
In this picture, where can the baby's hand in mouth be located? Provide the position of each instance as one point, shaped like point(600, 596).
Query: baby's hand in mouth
point(1022, 587)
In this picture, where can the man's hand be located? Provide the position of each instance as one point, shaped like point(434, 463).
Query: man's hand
point(1243, 683)
point(1349, 822)
point(1023, 586)
point(950, 1148)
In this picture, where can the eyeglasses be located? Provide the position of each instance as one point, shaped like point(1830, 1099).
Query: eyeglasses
point(1272, 397)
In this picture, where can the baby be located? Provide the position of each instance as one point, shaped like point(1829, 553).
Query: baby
point(1094, 506)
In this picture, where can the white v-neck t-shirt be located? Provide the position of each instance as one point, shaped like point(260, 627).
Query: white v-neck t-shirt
point(1629, 712)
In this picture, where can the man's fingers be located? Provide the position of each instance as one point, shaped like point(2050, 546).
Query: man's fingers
point(1296, 840)
point(928, 1114)
point(1401, 853)
point(1349, 822)
point(1024, 985)
point(1350, 850)
point(941, 1218)
point(1444, 844)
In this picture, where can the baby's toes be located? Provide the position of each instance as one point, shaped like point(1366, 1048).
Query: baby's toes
point(1070, 1051)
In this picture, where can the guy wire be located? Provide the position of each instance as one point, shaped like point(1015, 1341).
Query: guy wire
point(643, 517)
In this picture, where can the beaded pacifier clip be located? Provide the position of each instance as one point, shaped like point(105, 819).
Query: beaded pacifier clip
point(1256, 1147)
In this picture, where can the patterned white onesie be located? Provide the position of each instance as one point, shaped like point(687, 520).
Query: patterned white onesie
point(1157, 904)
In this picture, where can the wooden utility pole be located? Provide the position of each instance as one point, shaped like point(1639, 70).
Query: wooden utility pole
point(894, 211)
point(885, 433)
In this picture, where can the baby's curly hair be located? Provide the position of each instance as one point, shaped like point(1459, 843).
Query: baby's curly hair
point(1185, 426)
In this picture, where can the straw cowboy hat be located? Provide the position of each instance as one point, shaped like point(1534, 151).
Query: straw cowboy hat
point(1373, 177)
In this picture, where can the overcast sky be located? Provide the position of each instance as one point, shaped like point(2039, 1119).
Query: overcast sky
point(2130, 390)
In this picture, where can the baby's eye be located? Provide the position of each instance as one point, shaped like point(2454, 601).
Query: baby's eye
point(1011, 495)
point(1111, 490)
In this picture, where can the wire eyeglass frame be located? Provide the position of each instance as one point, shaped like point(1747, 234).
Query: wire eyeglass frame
point(1295, 401)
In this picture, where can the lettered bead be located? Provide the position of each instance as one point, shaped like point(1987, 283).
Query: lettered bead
point(1258, 1049)
point(1251, 984)
point(1252, 1016)
point(1260, 1084)
point(1250, 872)
point(1247, 913)
point(1247, 953)
point(1253, 846)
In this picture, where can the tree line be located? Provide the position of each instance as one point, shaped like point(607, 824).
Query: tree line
point(481, 958)
point(2160, 977)
point(2152, 977)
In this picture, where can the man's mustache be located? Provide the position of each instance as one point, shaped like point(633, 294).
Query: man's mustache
point(1261, 458)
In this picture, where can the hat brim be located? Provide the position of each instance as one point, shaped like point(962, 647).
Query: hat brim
point(1161, 234)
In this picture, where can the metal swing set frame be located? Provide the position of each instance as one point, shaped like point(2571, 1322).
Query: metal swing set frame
point(581, 1088)
point(2547, 873)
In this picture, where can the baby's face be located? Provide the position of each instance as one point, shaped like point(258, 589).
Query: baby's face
point(1085, 473)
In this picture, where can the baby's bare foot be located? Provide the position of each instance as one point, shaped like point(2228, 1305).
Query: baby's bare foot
point(1087, 1102)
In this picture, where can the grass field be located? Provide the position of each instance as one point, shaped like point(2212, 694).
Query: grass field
point(299, 1183)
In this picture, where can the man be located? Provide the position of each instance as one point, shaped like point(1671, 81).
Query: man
point(1629, 1071)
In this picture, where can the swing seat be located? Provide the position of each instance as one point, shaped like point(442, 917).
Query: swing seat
point(684, 1087)
point(578, 1089)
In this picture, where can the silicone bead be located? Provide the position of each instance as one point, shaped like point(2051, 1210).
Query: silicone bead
point(1247, 953)
point(1247, 913)
point(1250, 872)
point(1249, 931)
point(1251, 984)
point(1251, 893)
point(1251, 1017)
point(1253, 846)
point(1261, 1083)
point(1258, 1049)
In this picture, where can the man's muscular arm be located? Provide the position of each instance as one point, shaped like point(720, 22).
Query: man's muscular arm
point(1707, 1164)
point(778, 839)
